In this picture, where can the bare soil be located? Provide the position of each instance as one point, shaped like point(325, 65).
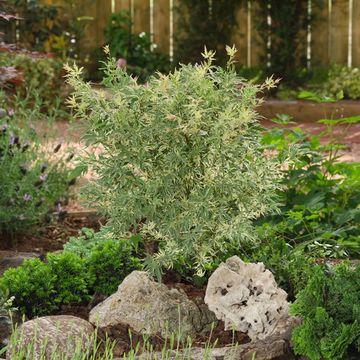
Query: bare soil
point(53, 236)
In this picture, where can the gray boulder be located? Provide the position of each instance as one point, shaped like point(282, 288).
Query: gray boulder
point(194, 353)
point(12, 259)
point(151, 308)
point(50, 336)
point(272, 348)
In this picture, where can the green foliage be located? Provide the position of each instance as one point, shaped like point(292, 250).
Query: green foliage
point(213, 31)
point(140, 53)
point(287, 31)
point(329, 306)
point(32, 285)
point(42, 77)
point(72, 277)
point(38, 23)
point(342, 78)
point(290, 265)
point(30, 180)
point(87, 239)
point(40, 288)
point(5, 303)
point(109, 262)
point(320, 211)
point(182, 164)
point(56, 27)
point(6, 312)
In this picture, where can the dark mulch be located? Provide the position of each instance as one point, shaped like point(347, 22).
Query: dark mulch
point(53, 236)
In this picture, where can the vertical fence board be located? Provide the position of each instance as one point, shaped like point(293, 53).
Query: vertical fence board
point(320, 36)
point(179, 12)
point(90, 39)
point(122, 5)
point(257, 43)
point(102, 16)
point(339, 32)
point(162, 25)
point(356, 34)
point(141, 18)
point(239, 37)
point(329, 31)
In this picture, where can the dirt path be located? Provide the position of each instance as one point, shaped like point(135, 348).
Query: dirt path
point(69, 135)
point(349, 136)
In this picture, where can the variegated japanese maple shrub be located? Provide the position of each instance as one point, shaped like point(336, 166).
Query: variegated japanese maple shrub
point(182, 163)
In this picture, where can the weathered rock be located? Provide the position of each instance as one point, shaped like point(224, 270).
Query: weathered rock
point(194, 353)
point(50, 335)
point(247, 298)
point(12, 259)
point(3, 113)
point(272, 348)
point(269, 349)
point(7, 324)
point(5, 330)
point(151, 308)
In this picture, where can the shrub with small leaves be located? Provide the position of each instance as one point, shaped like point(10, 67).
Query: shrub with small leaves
point(109, 262)
point(39, 288)
point(72, 278)
point(32, 285)
point(182, 163)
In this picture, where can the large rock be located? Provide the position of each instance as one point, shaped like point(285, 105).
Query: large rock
point(52, 336)
point(194, 353)
point(12, 259)
point(273, 347)
point(269, 349)
point(151, 308)
point(247, 298)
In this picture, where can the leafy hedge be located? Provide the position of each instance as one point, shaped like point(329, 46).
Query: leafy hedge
point(40, 288)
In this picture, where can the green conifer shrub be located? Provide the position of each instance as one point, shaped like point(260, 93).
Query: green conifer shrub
point(330, 308)
point(181, 162)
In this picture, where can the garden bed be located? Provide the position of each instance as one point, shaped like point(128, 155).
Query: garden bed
point(188, 203)
point(53, 236)
point(309, 111)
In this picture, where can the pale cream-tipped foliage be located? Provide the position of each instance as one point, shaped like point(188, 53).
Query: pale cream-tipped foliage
point(182, 162)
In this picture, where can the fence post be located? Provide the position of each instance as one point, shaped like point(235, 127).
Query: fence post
point(339, 32)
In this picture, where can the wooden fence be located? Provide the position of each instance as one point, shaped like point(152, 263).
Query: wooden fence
point(336, 38)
